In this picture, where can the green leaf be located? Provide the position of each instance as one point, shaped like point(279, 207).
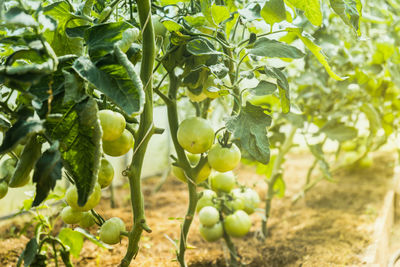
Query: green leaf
point(201, 47)
point(19, 131)
point(113, 80)
point(60, 41)
point(263, 88)
point(101, 38)
point(171, 25)
point(87, 7)
point(274, 11)
point(30, 154)
point(373, 117)
point(30, 251)
point(73, 239)
point(349, 11)
point(283, 86)
point(249, 129)
point(265, 47)
point(338, 131)
point(206, 10)
point(317, 51)
point(311, 8)
point(219, 13)
point(79, 133)
point(92, 238)
point(47, 172)
point(74, 89)
point(18, 17)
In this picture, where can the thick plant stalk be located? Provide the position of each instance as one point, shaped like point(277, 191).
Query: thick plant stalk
point(146, 130)
point(274, 177)
point(173, 125)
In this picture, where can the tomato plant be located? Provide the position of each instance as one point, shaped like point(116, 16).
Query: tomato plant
point(71, 93)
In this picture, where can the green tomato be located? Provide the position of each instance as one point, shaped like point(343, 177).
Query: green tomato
point(110, 231)
point(87, 220)
point(159, 28)
point(237, 224)
point(237, 203)
point(223, 182)
point(224, 159)
point(206, 200)
point(208, 216)
point(195, 135)
point(212, 233)
point(106, 173)
point(112, 124)
point(250, 197)
point(71, 216)
point(7, 169)
point(72, 198)
point(119, 146)
point(3, 189)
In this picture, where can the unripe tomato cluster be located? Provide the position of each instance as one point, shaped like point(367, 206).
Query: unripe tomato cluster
point(226, 207)
point(196, 136)
point(117, 140)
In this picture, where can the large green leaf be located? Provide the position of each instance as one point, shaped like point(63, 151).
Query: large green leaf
point(73, 239)
point(19, 131)
point(59, 39)
point(101, 38)
point(316, 50)
point(349, 11)
point(114, 81)
point(311, 8)
point(47, 172)
point(249, 129)
point(338, 131)
point(79, 132)
point(283, 86)
point(265, 47)
point(273, 11)
point(219, 13)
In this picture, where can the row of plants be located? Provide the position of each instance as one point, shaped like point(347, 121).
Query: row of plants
point(80, 79)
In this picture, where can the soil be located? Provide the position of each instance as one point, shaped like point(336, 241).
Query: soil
point(331, 226)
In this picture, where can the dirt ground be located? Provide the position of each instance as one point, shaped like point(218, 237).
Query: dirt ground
point(331, 226)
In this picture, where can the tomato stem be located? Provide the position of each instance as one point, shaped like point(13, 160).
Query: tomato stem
point(275, 174)
point(183, 163)
point(144, 133)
